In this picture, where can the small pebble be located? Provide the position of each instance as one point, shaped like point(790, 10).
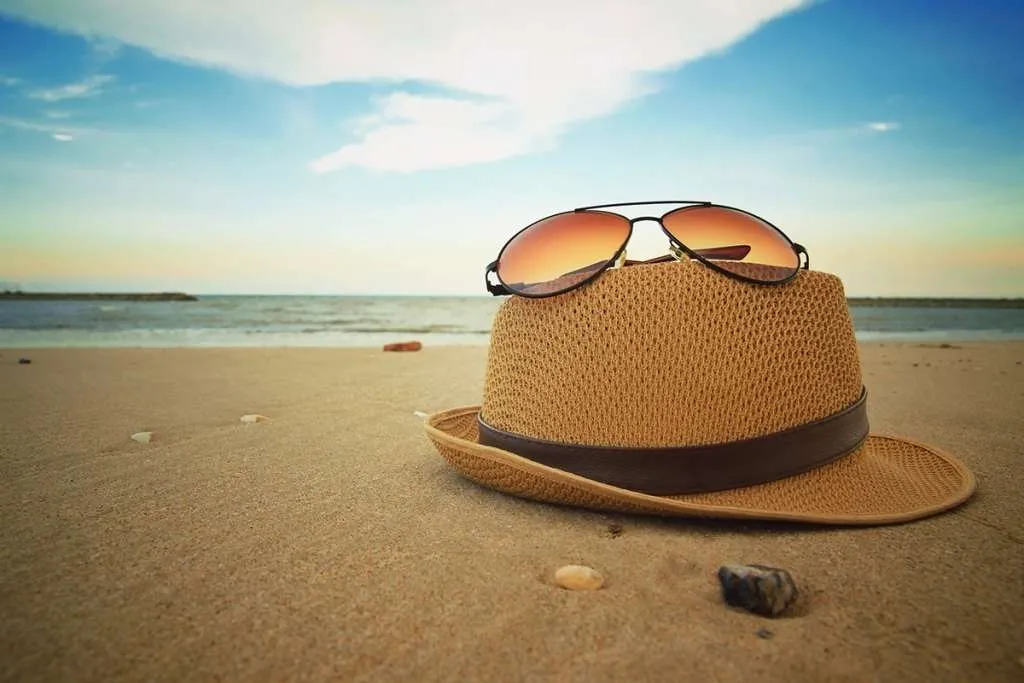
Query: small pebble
point(765, 634)
point(767, 591)
point(249, 419)
point(615, 530)
point(24, 361)
point(142, 437)
point(419, 413)
point(576, 577)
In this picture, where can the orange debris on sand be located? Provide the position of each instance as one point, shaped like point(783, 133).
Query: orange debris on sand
point(404, 346)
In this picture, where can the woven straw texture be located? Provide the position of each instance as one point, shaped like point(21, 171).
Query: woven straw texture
point(675, 354)
point(671, 354)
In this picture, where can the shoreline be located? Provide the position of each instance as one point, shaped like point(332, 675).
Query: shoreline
point(944, 340)
point(853, 301)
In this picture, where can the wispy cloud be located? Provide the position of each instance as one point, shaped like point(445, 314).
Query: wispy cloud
point(104, 49)
point(812, 140)
point(414, 131)
point(24, 124)
point(53, 114)
point(89, 87)
point(44, 127)
point(10, 81)
point(883, 126)
point(510, 78)
point(63, 137)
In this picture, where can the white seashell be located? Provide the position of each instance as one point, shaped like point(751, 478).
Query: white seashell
point(419, 413)
point(251, 418)
point(142, 437)
point(576, 577)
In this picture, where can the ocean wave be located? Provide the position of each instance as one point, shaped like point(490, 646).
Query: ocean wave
point(218, 338)
point(384, 329)
point(308, 320)
point(427, 329)
point(419, 329)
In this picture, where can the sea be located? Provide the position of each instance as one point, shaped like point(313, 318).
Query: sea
point(286, 321)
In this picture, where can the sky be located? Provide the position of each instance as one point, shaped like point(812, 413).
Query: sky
point(393, 147)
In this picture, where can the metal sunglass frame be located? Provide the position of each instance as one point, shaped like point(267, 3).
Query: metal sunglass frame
point(677, 248)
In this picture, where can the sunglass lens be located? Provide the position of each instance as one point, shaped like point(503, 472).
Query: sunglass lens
point(557, 253)
point(735, 241)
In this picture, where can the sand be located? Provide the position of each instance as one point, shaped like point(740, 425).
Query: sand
point(333, 543)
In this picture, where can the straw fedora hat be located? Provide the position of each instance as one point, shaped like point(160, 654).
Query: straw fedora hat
point(670, 390)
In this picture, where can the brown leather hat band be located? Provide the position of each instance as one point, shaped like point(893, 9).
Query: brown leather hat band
point(697, 469)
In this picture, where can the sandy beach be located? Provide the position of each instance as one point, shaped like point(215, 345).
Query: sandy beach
point(334, 543)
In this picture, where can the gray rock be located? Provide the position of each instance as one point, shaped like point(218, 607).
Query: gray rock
point(767, 591)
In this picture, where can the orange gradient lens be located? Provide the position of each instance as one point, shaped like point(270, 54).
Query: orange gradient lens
point(560, 252)
point(734, 241)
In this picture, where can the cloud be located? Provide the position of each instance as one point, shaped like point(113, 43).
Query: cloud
point(43, 127)
point(89, 87)
point(413, 132)
point(506, 78)
point(62, 137)
point(883, 126)
point(104, 49)
point(9, 81)
point(23, 124)
point(53, 114)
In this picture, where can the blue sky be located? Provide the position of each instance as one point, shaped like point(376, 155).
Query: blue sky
point(394, 147)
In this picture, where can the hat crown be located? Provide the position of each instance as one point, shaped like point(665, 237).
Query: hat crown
point(671, 354)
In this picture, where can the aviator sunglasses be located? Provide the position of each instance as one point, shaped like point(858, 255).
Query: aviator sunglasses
point(567, 250)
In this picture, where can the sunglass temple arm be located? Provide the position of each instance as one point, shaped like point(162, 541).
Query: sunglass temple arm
point(496, 290)
point(807, 258)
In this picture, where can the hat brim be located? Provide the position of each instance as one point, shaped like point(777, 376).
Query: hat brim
point(887, 480)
